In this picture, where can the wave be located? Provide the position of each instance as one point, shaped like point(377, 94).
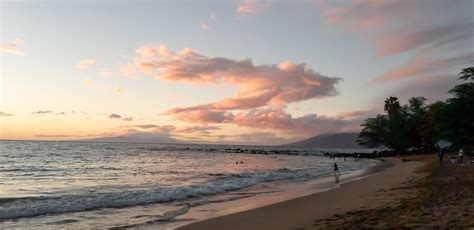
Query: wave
point(29, 207)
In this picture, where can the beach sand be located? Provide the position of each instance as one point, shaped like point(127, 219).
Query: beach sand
point(304, 212)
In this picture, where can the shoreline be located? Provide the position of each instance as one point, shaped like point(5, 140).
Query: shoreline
point(269, 193)
point(349, 194)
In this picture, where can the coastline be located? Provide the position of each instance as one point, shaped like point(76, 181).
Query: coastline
point(301, 212)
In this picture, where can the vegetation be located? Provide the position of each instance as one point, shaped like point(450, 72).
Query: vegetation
point(419, 126)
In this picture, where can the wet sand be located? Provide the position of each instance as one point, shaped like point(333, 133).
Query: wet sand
point(301, 213)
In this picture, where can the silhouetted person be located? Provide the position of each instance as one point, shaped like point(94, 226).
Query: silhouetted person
point(440, 154)
point(336, 169)
point(461, 155)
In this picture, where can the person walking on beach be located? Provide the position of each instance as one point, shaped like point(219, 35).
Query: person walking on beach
point(336, 169)
point(461, 155)
point(440, 155)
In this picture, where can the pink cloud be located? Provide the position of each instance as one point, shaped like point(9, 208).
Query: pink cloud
point(251, 6)
point(352, 114)
point(204, 129)
point(409, 38)
point(204, 26)
point(11, 49)
point(422, 64)
point(85, 64)
point(260, 85)
point(105, 73)
point(147, 51)
point(278, 119)
point(400, 26)
point(263, 89)
point(200, 115)
point(129, 70)
point(264, 118)
point(436, 34)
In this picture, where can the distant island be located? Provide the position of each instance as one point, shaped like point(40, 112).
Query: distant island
point(330, 140)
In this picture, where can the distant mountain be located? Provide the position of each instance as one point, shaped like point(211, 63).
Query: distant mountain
point(138, 137)
point(330, 140)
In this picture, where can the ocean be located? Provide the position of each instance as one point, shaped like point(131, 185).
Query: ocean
point(119, 185)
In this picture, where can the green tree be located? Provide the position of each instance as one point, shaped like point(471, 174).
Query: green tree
point(459, 128)
point(420, 126)
point(467, 73)
point(397, 136)
point(388, 130)
point(436, 121)
point(374, 132)
point(417, 123)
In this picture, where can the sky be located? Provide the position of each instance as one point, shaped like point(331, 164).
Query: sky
point(233, 72)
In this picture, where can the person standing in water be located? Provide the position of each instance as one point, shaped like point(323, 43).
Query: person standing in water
point(336, 169)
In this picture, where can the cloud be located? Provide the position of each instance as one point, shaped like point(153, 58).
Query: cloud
point(127, 119)
point(117, 116)
point(129, 70)
point(258, 138)
point(205, 129)
point(55, 135)
point(4, 114)
point(204, 26)
point(278, 119)
point(426, 63)
point(436, 35)
point(89, 83)
point(117, 89)
point(268, 119)
point(432, 87)
point(114, 116)
point(86, 63)
point(136, 136)
point(351, 114)
point(43, 112)
point(196, 115)
point(251, 6)
point(401, 26)
point(149, 126)
point(259, 85)
point(147, 51)
point(11, 49)
point(252, 138)
point(105, 73)
point(409, 38)
point(396, 27)
point(79, 112)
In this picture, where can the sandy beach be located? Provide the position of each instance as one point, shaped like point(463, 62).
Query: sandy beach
point(301, 213)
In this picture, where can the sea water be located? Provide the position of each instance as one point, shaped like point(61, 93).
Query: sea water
point(113, 185)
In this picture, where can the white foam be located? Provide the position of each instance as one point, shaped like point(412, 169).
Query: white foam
point(29, 207)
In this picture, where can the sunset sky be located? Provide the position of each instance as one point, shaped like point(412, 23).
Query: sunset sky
point(254, 72)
